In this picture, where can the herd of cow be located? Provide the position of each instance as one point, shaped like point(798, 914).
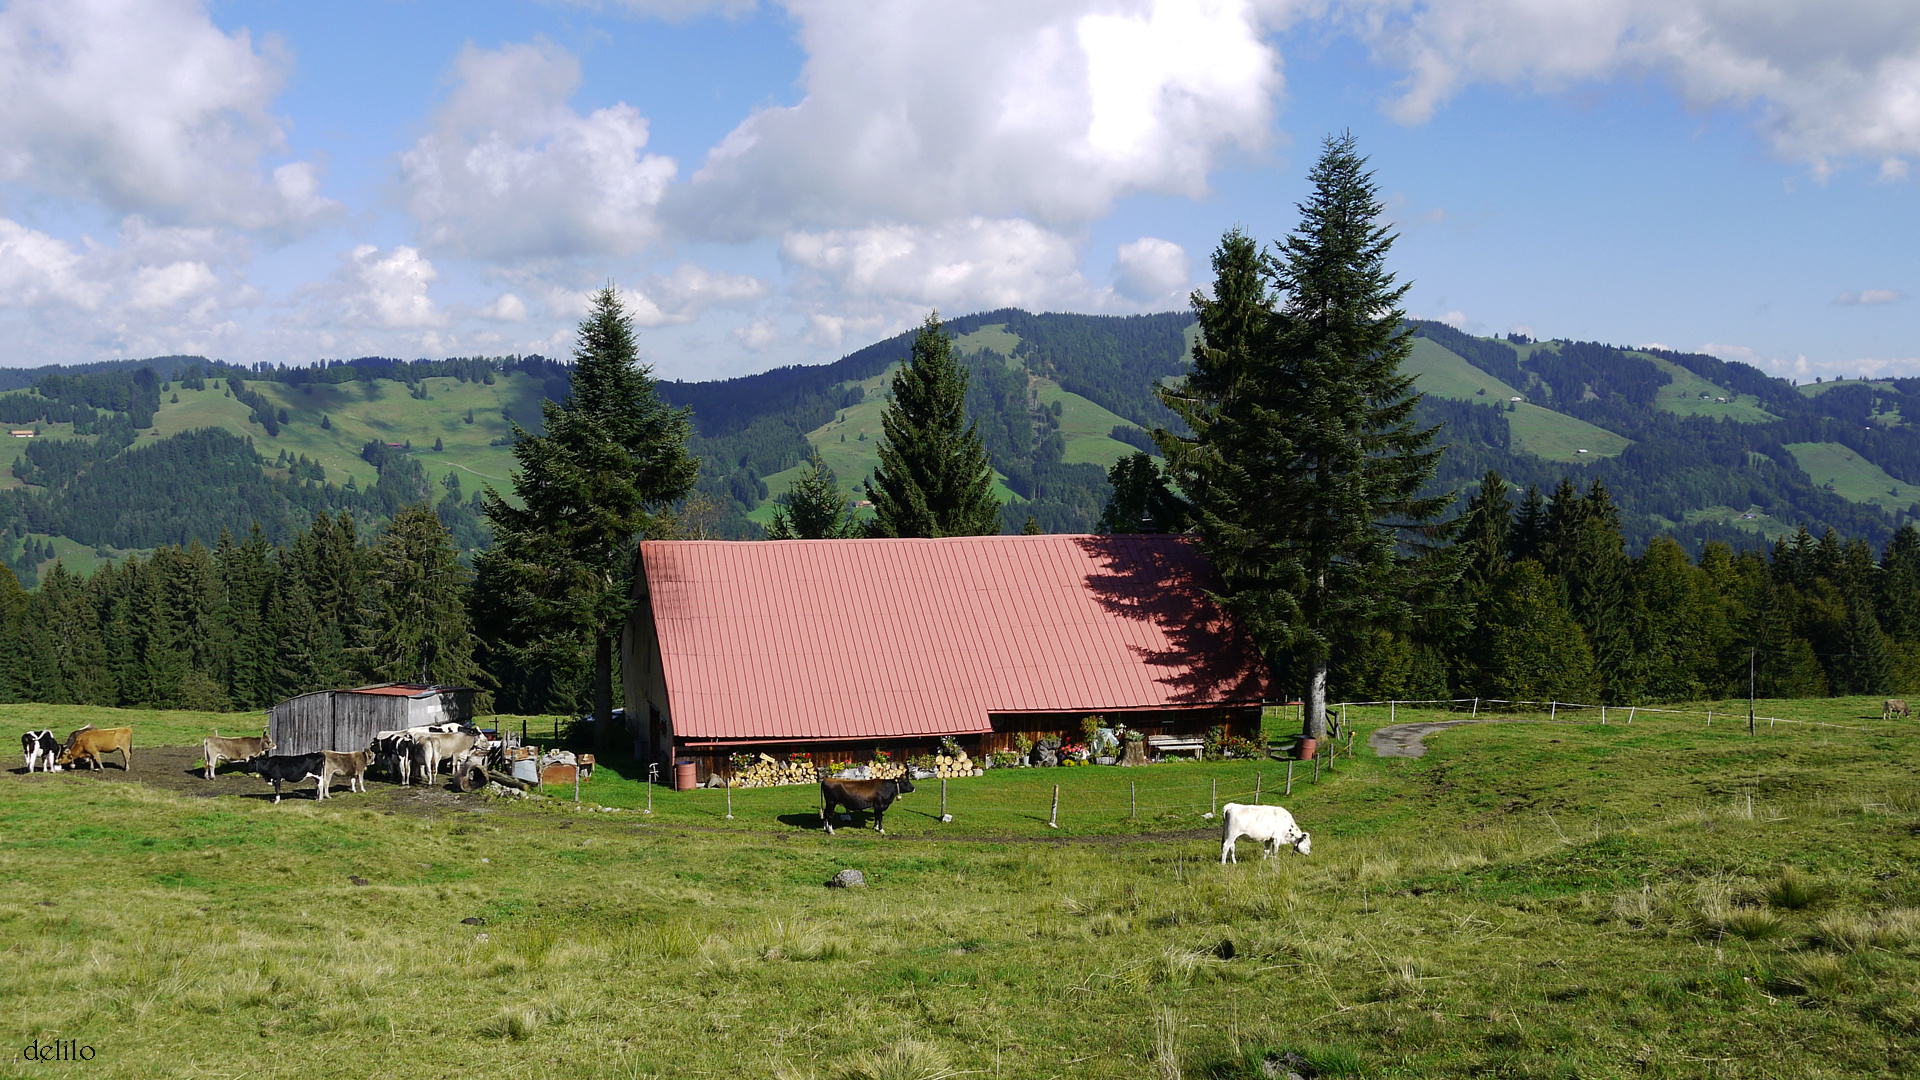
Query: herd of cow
point(421, 751)
point(407, 754)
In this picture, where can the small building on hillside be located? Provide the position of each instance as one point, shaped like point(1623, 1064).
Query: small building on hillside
point(345, 720)
point(837, 648)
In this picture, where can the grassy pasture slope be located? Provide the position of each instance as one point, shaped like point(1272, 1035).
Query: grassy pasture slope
point(1682, 396)
point(1853, 477)
point(1536, 430)
point(1526, 900)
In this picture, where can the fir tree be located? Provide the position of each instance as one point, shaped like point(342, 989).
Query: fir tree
point(611, 457)
point(417, 628)
point(1141, 501)
point(933, 478)
point(1535, 649)
point(1529, 536)
point(813, 507)
point(1305, 461)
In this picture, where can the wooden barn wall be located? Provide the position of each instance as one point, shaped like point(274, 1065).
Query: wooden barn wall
point(356, 717)
point(302, 725)
point(1242, 721)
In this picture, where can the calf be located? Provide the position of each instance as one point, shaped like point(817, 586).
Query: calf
point(279, 769)
point(1271, 825)
point(90, 742)
point(351, 766)
point(40, 748)
point(218, 749)
point(874, 795)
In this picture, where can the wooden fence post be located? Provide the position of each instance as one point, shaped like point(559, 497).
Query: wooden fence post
point(1631, 709)
point(944, 816)
point(1213, 803)
point(1289, 779)
point(1316, 768)
point(1393, 710)
point(1053, 821)
point(1133, 796)
point(1256, 785)
point(729, 781)
point(1603, 714)
point(1553, 709)
point(1476, 708)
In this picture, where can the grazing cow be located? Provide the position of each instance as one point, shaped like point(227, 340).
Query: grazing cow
point(40, 748)
point(279, 769)
point(1271, 825)
point(874, 795)
point(218, 748)
point(1894, 707)
point(90, 742)
point(352, 766)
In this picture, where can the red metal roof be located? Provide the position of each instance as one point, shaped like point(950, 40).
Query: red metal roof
point(855, 639)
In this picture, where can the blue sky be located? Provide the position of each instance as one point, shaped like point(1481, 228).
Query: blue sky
point(773, 184)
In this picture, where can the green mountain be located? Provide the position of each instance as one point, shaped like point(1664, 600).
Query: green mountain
point(125, 456)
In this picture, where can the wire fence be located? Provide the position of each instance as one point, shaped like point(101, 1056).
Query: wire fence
point(1604, 714)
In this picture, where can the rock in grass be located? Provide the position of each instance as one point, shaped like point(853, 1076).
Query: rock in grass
point(473, 920)
point(357, 879)
point(847, 879)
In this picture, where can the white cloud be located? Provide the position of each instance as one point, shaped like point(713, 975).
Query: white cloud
point(385, 291)
point(1056, 112)
point(1833, 80)
point(690, 290)
point(1456, 319)
point(1869, 297)
point(504, 308)
point(759, 333)
point(1153, 273)
point(146, 106)
point(1741, 353)
point(38, 269)
point(968, 265)
point(510, 173)
point(156, 287)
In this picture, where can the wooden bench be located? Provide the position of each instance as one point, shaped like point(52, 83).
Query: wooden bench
point(1176, 744)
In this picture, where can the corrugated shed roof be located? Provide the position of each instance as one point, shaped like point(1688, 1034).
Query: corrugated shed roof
point(855, 639)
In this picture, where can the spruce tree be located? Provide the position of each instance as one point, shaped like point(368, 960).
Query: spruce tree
point(416, 616)
point(612, 457)
point(1141, 501)
point(1305, 461)
point(814, 507)
point(933, 478)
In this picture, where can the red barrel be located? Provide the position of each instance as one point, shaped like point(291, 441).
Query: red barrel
point(683, 779)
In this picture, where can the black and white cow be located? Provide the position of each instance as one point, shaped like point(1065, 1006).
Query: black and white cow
point(279, 769)
point(40, 749)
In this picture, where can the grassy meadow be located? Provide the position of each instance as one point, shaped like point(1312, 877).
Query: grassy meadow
point(1556, 898)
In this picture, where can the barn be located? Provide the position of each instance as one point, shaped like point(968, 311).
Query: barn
point(346, 720)
point(836, 648)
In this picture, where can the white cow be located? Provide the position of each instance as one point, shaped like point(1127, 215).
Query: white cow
point(1271, 825)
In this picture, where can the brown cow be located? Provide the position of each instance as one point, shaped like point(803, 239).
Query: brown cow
point(1894, 707)
point(90, 742)
point(351, 766)
point(874, 795)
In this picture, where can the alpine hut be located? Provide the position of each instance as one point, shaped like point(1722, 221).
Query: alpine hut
point(346, 720)
point(836, 648)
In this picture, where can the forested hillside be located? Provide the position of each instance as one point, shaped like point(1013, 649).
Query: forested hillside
point(128, 456)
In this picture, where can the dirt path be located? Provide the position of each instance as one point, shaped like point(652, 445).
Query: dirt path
point(177, 769)
point(1408, 740)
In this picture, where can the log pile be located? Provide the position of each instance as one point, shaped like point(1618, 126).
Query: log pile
point(767, 772)
point(951, 766)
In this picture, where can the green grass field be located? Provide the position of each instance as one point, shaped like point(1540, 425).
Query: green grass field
point(1816, 389)
point(1660, 898)
point(1540, 431)
point(1444, 373)
point(1853, 477)
point(1683, 396)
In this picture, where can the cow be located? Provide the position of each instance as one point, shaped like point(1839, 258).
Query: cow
point(352, 766)
point(430, 748)
point(88, 743)
point(1271, 825)
point(217, 748)
point(40, 748)
point(1894, 707)
point(874, 795)
point(279, 769)
point(394, 750)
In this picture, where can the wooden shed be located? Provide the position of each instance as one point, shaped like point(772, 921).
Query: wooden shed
point(346, 720)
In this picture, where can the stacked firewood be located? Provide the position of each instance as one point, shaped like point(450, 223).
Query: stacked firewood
point(956, 764)
point(767, 772)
